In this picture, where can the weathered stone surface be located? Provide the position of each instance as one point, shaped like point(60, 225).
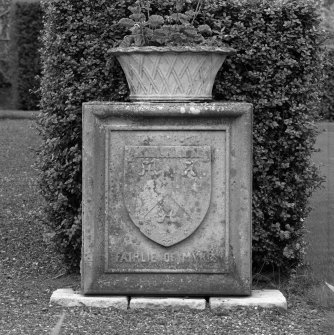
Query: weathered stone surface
point(259, 298)
point(167, 190)
point(68, 298)
point(167, 198)
point(173, 303)
point(171, 73)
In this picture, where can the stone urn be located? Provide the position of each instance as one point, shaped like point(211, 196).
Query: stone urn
point(171, 73)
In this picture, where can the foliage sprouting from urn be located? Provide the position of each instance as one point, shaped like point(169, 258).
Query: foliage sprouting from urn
point(181, 23)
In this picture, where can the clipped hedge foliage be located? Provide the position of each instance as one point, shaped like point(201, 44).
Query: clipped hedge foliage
point(27, 25)
point(5, 87)
point(277, 68)
point(76, 68)
point(4, 82)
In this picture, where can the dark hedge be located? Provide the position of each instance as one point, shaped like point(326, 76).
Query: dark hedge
point(277, 68)
point(27, 22)
point(75, 68)
point(4, 82)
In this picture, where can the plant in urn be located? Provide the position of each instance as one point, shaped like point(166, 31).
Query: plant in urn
point(174, 56)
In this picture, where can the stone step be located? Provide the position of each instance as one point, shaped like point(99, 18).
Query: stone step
point(259, 298)
point(68, 298)
point(161, 303)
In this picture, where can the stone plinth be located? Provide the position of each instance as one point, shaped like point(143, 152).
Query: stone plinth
point(172, 303)
point(68, 298)
point(259, 298)
point(167, 198)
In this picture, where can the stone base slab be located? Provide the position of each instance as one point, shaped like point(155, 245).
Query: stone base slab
point(69, 298)
point(174, 303)
point(259, 298)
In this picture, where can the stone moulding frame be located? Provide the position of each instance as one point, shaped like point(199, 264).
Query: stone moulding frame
point(108, 127)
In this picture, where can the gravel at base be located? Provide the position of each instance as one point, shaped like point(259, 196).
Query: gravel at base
point(239, 321)
point(24, 309)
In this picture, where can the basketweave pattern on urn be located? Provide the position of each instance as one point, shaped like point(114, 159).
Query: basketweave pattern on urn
point(171, 76)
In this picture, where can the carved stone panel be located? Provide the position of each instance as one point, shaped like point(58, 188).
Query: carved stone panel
point(166, 200)
point(161, 217)
point(167, 190)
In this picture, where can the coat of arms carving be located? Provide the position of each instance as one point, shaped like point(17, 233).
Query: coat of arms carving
point(167, 190)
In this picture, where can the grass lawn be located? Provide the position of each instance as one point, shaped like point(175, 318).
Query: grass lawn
point(30, 272)
point(320, 222)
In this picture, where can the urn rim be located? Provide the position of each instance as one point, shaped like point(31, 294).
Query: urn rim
point(172, 49)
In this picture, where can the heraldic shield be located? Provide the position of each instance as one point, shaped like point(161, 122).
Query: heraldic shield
point(167, 190)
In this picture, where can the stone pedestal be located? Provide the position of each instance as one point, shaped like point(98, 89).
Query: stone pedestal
point(167, 198)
